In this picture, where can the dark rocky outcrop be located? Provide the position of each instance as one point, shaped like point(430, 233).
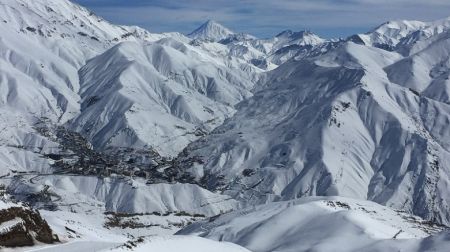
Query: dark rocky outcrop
point(29, 228)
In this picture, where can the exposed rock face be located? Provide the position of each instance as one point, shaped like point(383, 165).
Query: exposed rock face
point(21, 226)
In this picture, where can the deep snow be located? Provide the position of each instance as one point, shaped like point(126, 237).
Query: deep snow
point(265, 120)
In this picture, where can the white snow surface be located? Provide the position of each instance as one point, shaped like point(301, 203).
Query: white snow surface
point(5, 204)
point(124, 195)
point(160, 244)
point(286, 117)
point(319, 224)
point(186, 244)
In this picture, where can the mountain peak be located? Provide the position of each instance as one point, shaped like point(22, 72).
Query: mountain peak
point(304, 37)
point(211, 30)
point(211, 22)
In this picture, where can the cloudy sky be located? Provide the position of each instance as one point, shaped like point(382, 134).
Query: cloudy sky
point(264, 18)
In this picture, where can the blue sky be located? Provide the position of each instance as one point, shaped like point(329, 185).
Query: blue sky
point(264, 18)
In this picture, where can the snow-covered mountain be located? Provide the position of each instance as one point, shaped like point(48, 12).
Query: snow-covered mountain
point(211, 31)
point(389, 34)
point(340, 124)
point(44, 45)
point(265, 53)
point(170, 86)
point(115, 133)
point(55, 79)
point(64, 83)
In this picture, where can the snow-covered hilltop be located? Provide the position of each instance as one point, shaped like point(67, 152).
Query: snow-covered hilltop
point(117, 134)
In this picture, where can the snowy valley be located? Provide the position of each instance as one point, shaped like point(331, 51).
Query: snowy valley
point(114, 138)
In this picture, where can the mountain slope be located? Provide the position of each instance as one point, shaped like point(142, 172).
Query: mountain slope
point(44, 82)
point(333, 125)
point(176, 89)
point(187, 91)
point(67, 39)
point(426, 70)
point(389, 34)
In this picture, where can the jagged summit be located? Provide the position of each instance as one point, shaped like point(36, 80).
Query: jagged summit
point(211, 30)
point(305, 37)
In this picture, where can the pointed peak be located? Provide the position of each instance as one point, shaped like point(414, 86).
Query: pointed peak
point(301, 38)
point(211, 30)
point(211, 22)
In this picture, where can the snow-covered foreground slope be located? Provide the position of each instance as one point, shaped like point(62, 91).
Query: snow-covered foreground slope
point(186, 244)
point(321, 224)
point(318, 224)
point(160, 244)
point(114, 213)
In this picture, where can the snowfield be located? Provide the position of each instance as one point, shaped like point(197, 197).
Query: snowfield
point(121, 138)
point(318, 224)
